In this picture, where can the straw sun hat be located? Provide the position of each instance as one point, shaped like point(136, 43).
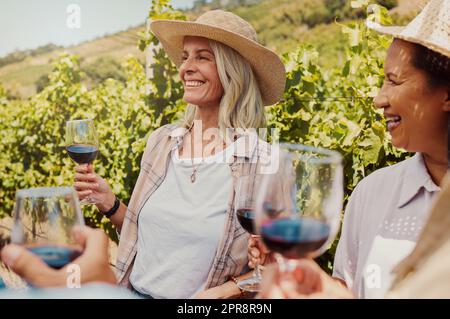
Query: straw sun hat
point(235, 32)
point(431, 28)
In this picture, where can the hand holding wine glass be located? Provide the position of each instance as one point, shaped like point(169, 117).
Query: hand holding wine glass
point(257, 252)
point(90, 185)
point(82, 144)
point(307, 280)
point(44, 221)
point(299, 207)
point(93, 262)
point(245, 202)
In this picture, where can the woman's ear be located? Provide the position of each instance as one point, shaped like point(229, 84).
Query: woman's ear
point(446, 106)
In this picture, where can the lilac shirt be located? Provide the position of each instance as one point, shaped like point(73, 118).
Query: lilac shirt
point(382, 222)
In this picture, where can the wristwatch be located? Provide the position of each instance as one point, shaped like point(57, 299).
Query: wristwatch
point(113, 210)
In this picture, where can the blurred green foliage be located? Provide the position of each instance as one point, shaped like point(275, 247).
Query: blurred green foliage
point(328, 107)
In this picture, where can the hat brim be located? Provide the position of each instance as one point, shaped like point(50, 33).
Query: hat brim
point(404, 33)
point(267, 66)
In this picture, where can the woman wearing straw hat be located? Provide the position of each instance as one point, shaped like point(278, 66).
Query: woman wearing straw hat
point(387, 210)
point(179, 237)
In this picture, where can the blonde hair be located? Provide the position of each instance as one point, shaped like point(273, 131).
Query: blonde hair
point(241, 105)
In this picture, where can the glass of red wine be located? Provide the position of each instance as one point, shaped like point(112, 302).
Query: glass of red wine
point(82, 143)
point(44, 220)
point(299, 206)
point(245, 202)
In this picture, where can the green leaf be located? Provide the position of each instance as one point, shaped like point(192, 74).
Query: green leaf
point(353, 130)
point(346, 69)
point(372, 146)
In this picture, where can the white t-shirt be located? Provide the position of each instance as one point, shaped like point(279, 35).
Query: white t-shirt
point(382, 222)
point(180, 226)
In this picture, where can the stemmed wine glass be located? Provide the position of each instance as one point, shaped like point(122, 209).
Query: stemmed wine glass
point(44, 220)
point(245, 203)
point(82, 143)
point(298, 208)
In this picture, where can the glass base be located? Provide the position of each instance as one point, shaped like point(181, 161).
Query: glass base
point(87, 201)
point(250, 284)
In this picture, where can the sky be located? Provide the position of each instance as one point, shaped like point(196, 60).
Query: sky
point(28, 24)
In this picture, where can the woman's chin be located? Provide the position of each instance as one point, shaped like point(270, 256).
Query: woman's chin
point(398, 140)
point(188, 98)
point(400, 144)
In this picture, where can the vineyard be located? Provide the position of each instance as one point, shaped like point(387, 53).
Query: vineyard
point(323, 106)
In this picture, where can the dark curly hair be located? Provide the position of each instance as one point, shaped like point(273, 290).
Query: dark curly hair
point(436, 65)
point(437, 68)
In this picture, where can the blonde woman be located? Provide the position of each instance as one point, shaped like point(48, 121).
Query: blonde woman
point(179, 237)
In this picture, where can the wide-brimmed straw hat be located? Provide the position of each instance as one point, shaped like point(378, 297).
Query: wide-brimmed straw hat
point(431, 28)
point(235, 32)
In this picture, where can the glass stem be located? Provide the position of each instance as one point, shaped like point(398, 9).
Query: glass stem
point(285, 265)
point(257, 272)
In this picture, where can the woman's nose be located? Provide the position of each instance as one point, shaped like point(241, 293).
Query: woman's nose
point(188, 66)
point(381, 100)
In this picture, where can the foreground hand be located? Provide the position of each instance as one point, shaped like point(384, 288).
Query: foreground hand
point(307, 280)
point(258, 254)
point(93, 263)
point(93, 188)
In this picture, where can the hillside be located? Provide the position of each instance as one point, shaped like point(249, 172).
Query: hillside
point(281, 25)
point(20, 77)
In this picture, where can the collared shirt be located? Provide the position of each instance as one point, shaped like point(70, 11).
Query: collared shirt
point(425, 273)
point(382, 221)
point(231, 255)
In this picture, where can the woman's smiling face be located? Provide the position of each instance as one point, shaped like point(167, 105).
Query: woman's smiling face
point(199, 75)
point(412, 107)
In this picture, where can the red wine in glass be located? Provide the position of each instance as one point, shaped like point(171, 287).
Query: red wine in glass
point(295, 238)
point(55, 256)
point(82, 154)
point(82, 144)
point(246, 193)
point(81, 141)
point(245, 217)
point(44, 222)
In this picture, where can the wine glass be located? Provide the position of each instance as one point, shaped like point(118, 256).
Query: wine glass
point(82, 143)
point(44, 220)
point(298, 208)
point(245, 203)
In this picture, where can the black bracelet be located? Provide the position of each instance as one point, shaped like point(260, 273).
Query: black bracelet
point(113, 210)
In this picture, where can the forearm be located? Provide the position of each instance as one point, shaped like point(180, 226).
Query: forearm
point(119, 216)
point(107, 205)
point(236, 292)
point(227, 290)
point(230, 290)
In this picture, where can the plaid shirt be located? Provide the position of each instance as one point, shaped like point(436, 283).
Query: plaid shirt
point(231, 254)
